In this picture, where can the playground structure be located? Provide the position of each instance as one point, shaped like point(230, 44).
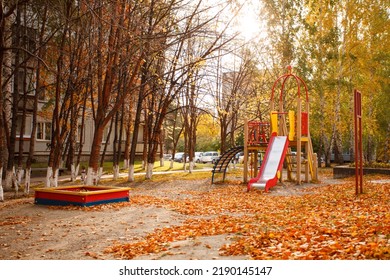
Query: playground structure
point(284, 141)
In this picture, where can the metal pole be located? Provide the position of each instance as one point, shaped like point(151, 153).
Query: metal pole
point(358, 142)
point(246, 151)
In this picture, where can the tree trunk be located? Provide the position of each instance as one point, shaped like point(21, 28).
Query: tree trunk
point(60, 110)
point(81, 136)
point(115, 168)
point(20, 171)
point(127, 143)
point(131, 173)
point(102, 158)
point(92, 174)
point(162, 149)
point(137, 122)
point(149, 170)
point(223, 133)
point(51, 177)
point(72, 140)
point(145, 140)
point(1, 185)
point(5, 93)
point(12, 112)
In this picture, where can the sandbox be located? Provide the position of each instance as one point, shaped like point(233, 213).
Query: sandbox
point(80, 195)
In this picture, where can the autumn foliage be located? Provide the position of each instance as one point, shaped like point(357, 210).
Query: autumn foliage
point(327, 222)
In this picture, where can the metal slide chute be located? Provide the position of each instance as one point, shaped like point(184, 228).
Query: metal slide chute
point(272, 164)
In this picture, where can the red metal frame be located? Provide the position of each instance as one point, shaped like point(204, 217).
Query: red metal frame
point(258, 133)
point(285, 77)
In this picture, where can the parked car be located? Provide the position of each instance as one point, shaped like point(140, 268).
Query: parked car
point(179, 157)
point(167, 156)
point(208, 157)
point(197, 157)
point(215, 159)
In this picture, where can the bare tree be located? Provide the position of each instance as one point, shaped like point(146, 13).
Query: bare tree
point(237, 85)
point(108, 101)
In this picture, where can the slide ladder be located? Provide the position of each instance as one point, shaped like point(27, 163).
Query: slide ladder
point(272, 165)
point(222, 163)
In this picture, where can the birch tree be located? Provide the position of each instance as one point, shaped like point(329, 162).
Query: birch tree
point(6, 12)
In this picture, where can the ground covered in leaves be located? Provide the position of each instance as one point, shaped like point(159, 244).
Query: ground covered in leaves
point(179, 218)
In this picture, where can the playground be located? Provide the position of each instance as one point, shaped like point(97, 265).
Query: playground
point(278, 205)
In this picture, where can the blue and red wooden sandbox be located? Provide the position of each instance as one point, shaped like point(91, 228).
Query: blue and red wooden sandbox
point(80, 195)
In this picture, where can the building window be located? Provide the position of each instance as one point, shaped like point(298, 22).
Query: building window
point(24, 77)
point(44, 131)
point(27, 126)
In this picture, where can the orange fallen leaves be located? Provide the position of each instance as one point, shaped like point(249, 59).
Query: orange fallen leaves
point(322, 223)
point(15, 221)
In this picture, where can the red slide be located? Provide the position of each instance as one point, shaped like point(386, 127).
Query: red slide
point(272, 163)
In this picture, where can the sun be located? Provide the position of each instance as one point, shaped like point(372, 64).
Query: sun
point(249, 24)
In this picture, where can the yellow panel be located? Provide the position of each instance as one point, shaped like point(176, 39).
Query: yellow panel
point(274, 122)
point(291, 117)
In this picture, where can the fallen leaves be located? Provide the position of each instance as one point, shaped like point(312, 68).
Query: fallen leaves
point(324, 223)
point(15, 220)
point(158, 240)
point(327, 222)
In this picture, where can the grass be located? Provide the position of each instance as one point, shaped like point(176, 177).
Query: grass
point(157, 168)
point(107, 166)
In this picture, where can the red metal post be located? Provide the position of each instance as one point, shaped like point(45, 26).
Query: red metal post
point(358, 142)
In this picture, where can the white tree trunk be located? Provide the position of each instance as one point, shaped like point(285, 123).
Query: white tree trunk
point(20, 175)
point(99, 175)
point(161, 162)
point(91, 177)
point(1, 185)
point(130, 177)
point(7, 89)
point(77, 169)
point(55, 178)
point(171, 164)
point(51, 178)
point(74, 170)
point(49, 175)
point(143, 165)
point(73, 174)
point(125, 163)
point(191, 166)
point(116, 171)
point(27, 181)
point(83, 176)
point(149, 171)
